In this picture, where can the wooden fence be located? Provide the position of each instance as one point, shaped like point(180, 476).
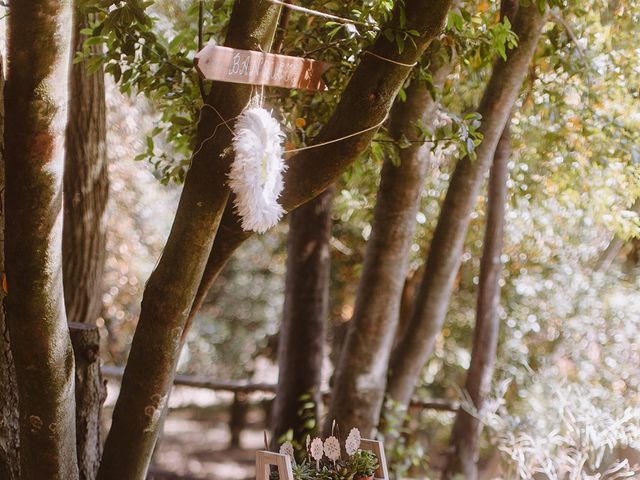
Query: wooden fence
point(242, 389)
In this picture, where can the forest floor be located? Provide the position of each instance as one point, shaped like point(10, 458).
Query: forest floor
point(195, 445)
point(196, 440)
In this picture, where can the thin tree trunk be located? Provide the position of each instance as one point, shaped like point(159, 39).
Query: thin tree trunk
point(306, 303)
point(444, 256)
point(35, 311)
point(465, 439)
point(9, 429)
point(86, 185)
point(365, 102)
point(90, 394)
point(361, 374)
point(172, 286)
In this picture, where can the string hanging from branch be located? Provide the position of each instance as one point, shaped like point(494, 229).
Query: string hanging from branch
point(329, 16)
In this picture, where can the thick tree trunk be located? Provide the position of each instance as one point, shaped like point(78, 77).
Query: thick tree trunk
point(306, 303)
point(465, 439)
point(9, 430)
point(35, 312)
point(86, 185)
point(365, 102)
point(361, 375)
point(444, 256)
point(172, 286)
point(90, 394)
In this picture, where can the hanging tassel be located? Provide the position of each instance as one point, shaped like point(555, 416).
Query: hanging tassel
point(256, 172)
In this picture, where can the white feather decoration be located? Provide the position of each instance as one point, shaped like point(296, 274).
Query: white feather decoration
point(256, 172)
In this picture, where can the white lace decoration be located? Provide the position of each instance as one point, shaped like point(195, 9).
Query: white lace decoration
point(352, 444)
point(332, 449)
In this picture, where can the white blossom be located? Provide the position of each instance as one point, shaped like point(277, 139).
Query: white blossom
point(352, 444)
point(332, 448)
point(317, 451)
point(256, 172)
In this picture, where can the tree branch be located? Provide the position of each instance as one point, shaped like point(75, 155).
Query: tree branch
point(444, 255)
point(365, 101)
point(172, 286)
point(372, 329)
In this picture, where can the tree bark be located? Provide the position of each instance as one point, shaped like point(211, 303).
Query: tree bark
point(465, 440)
point(90, 395)
point(361, 375)
point(365, 102)
point(306, 303)
point(444, 256)
point(35, 312)
point(86, 188)
point(172, 286)
point(86, 185)
point(9, 429)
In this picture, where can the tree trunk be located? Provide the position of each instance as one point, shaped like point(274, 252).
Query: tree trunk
point(444, 256)
point(365, 102)
point(9, 430)
point(301, 340)
point(90, 394)
point(172, 286)
point(361, 375)
point(465, 439)
point(35, 312)
point(86, 185)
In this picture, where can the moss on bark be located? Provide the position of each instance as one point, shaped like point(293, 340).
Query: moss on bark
point(36, 319)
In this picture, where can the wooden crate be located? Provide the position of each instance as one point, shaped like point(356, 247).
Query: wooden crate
point(265, 459)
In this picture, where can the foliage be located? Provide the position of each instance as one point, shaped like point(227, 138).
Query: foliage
point(565, 430)
point(148, 48)
point(362, 464)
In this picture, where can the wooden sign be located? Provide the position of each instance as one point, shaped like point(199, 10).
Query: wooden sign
point(226, 64)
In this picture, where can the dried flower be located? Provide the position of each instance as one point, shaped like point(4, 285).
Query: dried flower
point(332, 449)
point(256, 172)
point(317, 451)
point(287, 449)
point(352, 444)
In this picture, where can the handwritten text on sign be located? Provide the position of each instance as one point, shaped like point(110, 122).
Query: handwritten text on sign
point(257, 68)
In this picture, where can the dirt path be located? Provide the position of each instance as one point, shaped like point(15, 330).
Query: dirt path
point(195, 445)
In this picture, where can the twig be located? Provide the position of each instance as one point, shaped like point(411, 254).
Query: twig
point(329, 16)
point(561, 21)
point(200, 44)
point(325, 47)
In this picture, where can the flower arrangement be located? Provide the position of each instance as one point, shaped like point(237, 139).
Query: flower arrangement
point(324, 460)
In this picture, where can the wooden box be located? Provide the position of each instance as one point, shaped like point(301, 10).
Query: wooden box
point(265, 459)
